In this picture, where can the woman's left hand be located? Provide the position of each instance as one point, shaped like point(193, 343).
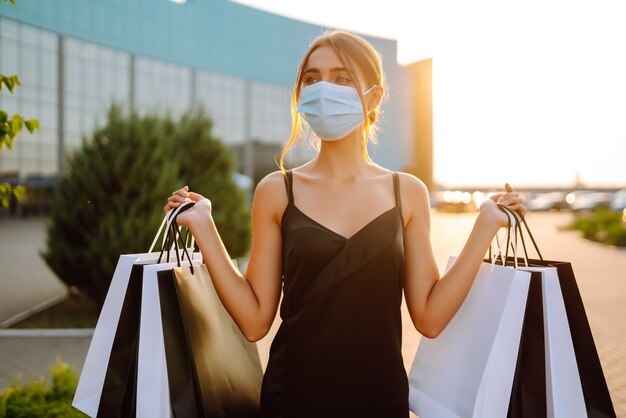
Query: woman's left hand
point(510, 199)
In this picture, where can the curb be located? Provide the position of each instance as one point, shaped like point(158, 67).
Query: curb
point(46, 333)
point(42, 306)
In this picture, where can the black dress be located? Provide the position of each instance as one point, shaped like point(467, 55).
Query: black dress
point(337, 352)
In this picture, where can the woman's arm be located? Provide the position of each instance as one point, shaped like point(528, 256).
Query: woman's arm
point(252, 301)
point(432, 301)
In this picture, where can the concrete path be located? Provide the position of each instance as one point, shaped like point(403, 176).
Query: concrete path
point(27, 285)
point(600, 273)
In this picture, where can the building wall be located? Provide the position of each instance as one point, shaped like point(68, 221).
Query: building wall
point(238, 61)
point(422, 108)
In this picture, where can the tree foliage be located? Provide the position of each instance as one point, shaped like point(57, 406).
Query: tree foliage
point(109, 201)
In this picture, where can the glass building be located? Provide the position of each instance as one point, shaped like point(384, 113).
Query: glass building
point(75, 57)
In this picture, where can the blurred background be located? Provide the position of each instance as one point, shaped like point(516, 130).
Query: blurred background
point(480, 93)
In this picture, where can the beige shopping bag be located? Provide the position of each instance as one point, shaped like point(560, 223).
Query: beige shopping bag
point(227, 366)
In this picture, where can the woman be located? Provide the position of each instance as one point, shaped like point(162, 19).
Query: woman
point(342, 237)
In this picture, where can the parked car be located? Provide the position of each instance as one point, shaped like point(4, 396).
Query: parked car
point(453, 200)
point(572, 196)
point(591, 201)
point(619, 200)
point(547, 201)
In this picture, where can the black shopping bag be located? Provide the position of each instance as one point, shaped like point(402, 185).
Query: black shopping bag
point(213, 371)
point(119, 387)
point(526, 397)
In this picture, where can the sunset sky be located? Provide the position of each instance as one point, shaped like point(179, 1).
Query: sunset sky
point(531, 93)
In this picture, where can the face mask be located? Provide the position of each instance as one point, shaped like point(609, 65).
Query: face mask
point(332, 110)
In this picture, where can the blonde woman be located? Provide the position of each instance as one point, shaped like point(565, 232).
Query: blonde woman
point(341, 238)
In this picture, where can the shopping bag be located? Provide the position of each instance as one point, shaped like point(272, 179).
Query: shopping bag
point(153, 388)
point(214, 362)
point(107, 382)
point(528, 392)
point(468, 370)
point(575, 383)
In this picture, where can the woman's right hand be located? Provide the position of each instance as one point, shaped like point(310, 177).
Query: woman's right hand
point(187, 217)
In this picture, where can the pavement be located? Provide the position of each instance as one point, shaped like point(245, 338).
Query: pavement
point(600, 272)
point(27, 285)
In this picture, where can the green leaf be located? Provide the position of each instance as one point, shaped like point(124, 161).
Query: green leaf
point(5, 191)
point(16, 125)
point(18, 192)
point(3, 116)
point(31, 125)
point(9, 82)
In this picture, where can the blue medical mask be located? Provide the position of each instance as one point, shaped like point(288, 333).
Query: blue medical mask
point(332, 110)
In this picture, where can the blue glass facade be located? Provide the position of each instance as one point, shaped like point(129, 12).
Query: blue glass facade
point(75, 56)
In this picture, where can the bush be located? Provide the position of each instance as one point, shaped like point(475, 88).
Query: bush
point(35, 399)
point(602, 225)
point(110, 199)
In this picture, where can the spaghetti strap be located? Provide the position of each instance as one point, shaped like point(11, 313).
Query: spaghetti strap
point(396, 189)
point(288, 182)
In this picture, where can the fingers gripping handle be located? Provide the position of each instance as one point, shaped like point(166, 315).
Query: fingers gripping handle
point(512, 220)
point(168, 219)
point(517, 220)
point(173, 235)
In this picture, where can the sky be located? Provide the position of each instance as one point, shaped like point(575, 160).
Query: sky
point(531, 93)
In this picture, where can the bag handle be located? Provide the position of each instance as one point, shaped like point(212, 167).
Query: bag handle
point(518, 227)
point(499, 246)
point(519, 216)
point(176, 229)
point(180, 209)
point(168, 219)
point(516, 230)
point(174, 234)
point(508, 240)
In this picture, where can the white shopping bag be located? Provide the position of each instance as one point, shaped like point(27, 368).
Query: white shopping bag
point(153, 395)
point(468, 370)
point(564, 393)
point(89, 389)
point(90, 384)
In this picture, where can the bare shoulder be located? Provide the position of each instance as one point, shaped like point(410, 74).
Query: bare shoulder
point(414, 195)
point(409, 182)
point(270, 195)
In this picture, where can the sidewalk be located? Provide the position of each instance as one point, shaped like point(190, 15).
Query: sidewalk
point(600, 273)
point(27, 285)
point(31, 352)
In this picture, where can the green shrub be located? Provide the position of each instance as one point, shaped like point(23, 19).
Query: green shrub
point(602, 225)
point(110, 199)
point(35, 399)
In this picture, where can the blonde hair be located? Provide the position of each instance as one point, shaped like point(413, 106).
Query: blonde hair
point(354, 52)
